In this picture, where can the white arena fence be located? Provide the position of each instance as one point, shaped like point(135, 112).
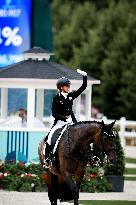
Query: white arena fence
point(127, 129)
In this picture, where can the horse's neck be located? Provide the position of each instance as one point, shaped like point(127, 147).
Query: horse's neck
point(87, 134)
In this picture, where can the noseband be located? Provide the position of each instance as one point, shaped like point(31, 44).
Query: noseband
point(108, 135)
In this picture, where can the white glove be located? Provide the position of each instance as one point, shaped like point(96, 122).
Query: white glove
point(81, 72)
point(69, 120)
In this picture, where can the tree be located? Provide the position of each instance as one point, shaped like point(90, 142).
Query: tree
point(128, 90)
point(100, 40)
point(115, 85)
point(69, 35)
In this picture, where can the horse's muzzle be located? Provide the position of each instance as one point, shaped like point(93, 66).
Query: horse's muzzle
point(111, 158)
point(111, 161)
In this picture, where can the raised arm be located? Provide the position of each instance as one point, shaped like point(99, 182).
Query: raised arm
point(76, 93)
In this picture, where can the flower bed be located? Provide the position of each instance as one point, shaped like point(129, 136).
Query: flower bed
point(94, 180)
point(21, 177)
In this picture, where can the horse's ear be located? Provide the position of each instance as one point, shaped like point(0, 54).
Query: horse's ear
point(102, 123)
point(112, 124)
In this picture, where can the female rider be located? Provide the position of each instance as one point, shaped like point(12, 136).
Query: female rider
point(62, 108)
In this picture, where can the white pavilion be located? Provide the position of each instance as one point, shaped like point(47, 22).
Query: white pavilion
point(36, 73)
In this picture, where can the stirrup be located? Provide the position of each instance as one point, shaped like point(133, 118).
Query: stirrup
point(46, 163)
point(45, 167)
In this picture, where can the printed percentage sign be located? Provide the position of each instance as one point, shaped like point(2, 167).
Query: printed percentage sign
point(11, 36)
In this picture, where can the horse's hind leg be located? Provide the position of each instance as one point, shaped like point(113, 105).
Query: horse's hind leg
point(52, 191)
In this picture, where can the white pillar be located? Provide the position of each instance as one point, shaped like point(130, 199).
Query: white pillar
point(122, 131)
point(4, 102)
point(88, 100)
point(30, 107)
point(77, 107)
point(40, 103)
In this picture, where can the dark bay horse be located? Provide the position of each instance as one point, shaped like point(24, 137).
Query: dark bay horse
point(66, 173)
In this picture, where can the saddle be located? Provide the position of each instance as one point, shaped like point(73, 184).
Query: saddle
point(56, 137)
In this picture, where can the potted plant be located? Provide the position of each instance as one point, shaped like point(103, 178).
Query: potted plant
point(115, 172)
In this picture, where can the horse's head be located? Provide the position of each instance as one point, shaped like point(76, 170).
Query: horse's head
point(107, 141)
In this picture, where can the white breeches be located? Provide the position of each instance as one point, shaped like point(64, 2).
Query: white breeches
point(58, 125)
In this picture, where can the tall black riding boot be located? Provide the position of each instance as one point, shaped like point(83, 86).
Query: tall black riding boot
point(47, 155)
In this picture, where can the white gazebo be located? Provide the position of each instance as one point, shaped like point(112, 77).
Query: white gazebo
point(37, 73)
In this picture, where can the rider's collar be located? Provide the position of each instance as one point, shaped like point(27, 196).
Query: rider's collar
point(64, 94)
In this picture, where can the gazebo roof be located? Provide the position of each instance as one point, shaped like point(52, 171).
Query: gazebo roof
point(36, 65)
point(35, 69)
point(37, 50)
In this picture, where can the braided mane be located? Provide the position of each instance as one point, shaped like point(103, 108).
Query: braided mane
point(84, 122)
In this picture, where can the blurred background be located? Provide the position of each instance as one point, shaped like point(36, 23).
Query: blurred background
point(98, 36)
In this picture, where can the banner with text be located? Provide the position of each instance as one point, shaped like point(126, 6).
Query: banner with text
point(15, 26)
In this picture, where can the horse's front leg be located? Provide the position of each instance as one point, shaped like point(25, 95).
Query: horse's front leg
point(79, 175)
point(53, 199)
point(73, 187)
point(78, 178)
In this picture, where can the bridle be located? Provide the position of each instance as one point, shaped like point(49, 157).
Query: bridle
point(103, 135)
